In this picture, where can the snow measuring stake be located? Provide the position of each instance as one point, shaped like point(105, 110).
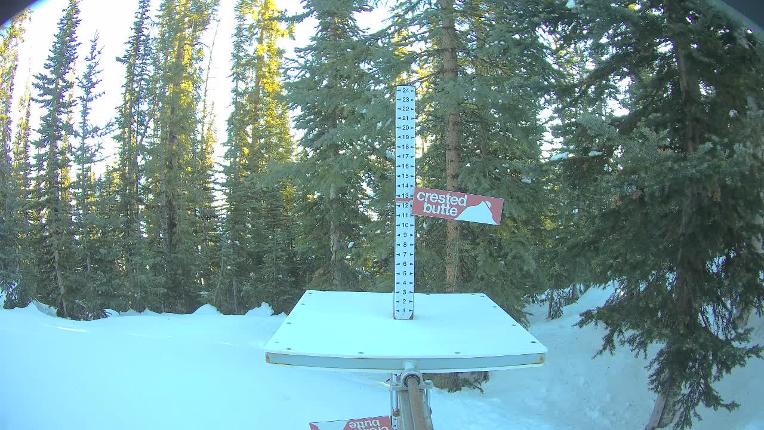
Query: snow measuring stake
point(405, 183)
point(346, 330)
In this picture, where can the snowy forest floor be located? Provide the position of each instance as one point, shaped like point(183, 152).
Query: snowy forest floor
point(207, 371)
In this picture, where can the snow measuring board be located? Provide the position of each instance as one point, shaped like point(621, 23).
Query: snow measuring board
point(405, 182)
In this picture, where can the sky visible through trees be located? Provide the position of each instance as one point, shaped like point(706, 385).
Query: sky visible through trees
point(113, 20)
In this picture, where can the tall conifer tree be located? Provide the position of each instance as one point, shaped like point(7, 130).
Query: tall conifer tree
point(484, 74)
point(338, 96)
point(53, 235)
point(133, 123)
point(674, 186)
point(259, 254)
point(172, 156)
point(22, 179)
point(11, 190)
point(234, 268)
point(84, 157)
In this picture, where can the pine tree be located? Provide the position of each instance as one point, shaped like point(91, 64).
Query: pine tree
point(22, 174)
point(11, 190)
point(207, 225)
point(674, 184)
point(259, 251)
point(171, 162)
point(484, 74)
point(133, 123)
point(84, 157)
point(340, 99)
point(105, 228)
point(234, 267)
point(507, 78)
point(53, 236)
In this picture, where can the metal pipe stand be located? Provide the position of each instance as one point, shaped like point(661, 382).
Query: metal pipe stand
point(410, 401)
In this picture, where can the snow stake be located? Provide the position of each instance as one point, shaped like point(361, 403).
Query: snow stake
point(405, 181)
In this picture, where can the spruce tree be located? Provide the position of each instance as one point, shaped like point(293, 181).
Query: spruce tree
point(84, 157)
point(674, 184)
point(53, 239)
point(133, 126)
point(507, 79)
point(234, 268)
point(171, 156)
point(22, 175)
point(484, 74)
point(339, 98)
point(207, 223)
point(11, 190)
point(107, 272)
point(259, 254)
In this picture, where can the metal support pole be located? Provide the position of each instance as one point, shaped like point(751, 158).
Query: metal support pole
point(410, 402)
point(420, 410)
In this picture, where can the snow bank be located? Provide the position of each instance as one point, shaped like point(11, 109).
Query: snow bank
point(207, 310)
point(207, 370)
point(265, 310)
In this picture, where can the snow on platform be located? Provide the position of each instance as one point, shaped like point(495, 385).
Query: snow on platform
point(356, 331)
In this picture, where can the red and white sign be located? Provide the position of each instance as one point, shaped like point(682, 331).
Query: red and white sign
point(457, 206)
point(375, 423)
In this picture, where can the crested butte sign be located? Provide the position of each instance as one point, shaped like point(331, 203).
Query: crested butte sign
point(453, 205)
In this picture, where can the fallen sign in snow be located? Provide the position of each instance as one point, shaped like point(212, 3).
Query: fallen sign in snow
point(453, 205)
point(374, 423)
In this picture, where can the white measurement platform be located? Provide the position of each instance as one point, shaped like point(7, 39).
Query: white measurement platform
point(354, 331)
point(405, 182)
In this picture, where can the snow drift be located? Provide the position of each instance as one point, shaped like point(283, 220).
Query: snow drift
point(207, 370)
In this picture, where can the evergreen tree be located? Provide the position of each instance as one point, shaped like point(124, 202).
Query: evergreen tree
point(234, 268)
point(484, 74)
point(84, 157)
point(207, 225)
point(11, 191)
point(507, 78)
point(339, 99)
point(172, 156)
point(259, 256)
point(674, 186)
point(133, 123)
point(53, 239)
point(107, 272)
point(22, 174)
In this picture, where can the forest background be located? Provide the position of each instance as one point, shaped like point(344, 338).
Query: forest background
point(655, 184)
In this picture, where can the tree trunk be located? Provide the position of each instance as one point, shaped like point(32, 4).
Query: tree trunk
point(60, 283)
point(453, 131)
point(664, 412)
point(334, 241)
point(236, 295)
point(688, 266)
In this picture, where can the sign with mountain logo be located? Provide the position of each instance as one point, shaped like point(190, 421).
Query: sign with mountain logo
point(375, 423)
point(453, 205)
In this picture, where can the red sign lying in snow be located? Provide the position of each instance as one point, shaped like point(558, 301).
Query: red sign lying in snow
point(457, 206)
point(375, 423)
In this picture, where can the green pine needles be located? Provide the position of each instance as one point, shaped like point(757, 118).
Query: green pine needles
point(669, 188)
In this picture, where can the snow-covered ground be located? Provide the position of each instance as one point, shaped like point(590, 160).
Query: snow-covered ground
point(207, 371)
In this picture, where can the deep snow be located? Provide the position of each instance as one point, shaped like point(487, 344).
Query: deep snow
point(207, 371)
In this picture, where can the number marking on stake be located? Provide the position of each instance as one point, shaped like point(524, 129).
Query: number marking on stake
point(405, 182)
